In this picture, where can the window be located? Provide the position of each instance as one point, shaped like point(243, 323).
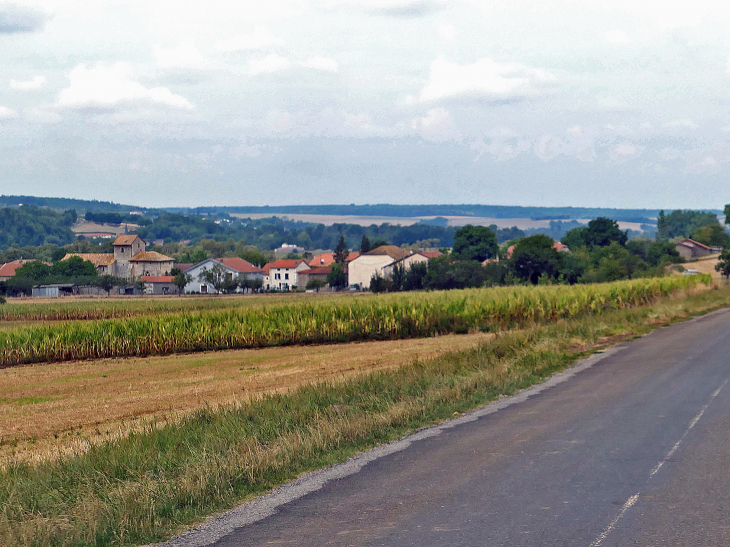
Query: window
point(204, 289)
point(286, 276)
point(277, 276)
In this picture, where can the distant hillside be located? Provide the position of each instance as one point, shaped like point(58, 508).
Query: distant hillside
point(64, 204)
point(643, 216)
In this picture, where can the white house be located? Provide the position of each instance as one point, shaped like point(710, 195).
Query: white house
point(414, 258)
point(361, 269)
point(234, 266)
point(282, 275)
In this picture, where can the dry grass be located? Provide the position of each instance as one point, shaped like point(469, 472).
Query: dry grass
point(52, 410)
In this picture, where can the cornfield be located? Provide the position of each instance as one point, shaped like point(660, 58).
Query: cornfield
point(394, 316)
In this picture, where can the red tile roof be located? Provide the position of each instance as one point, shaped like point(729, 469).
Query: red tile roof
point(97, 259)
point(325, 259)
point(692, 243)
point(183, 266)
point(126, 239)
point(392, 251)
point(431, 254)
point(150, 256)
point(8, 270)
point(239, 264)
point(157, 278)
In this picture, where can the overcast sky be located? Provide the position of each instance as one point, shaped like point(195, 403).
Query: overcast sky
point(173, 103)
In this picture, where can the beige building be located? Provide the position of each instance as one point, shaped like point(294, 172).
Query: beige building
point(418, 257)
point(129, 261)
point(364, 267)
point(689, 248)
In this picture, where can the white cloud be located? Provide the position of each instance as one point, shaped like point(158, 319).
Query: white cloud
point(360, 121)
point(278, 121)
point(267, 65)
point(483, 78)
point(447, 31)
point(436, 122)
point(575, 131)
point(623, 152)
point(41, 114)
point(184, 56)
point(686, 124)
point(7, 113)
point(321, 63)
point(36, 82)
point(608, 102)
point(548, 147)
point(112, 87)
point(260, 38)
point(617, 37)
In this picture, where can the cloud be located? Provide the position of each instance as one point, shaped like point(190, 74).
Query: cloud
point(269, 64)
point(406, 8)
point(446, 31)
point(623, 152)
point(617, 37)
point(485, 78)
point(610, 103)
point(184, 56)
point(14, 19)
point(7, 113)
point(260, 38)
point(437, 123)
point(36, 82)
point(321, 63)
point(359, 121)
point(113, 87)
point(41, 114)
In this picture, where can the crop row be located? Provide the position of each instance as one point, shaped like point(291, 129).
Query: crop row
point(331, 321)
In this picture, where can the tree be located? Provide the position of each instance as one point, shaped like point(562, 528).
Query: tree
point(723, 266)
point(444, 273)
point(216, 276)
point(107, 283)
point(364, 245)
point(341, 252)
point(398, 277)
point(475, 243)
point(380, 284)
point(600, 232)
point(712, 235)
point(337, 278)
point(534, 256)
point(180, 280)
point(315, 284)
point(682, 223)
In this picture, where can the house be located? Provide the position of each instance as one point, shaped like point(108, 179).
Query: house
point(286, 248)
point(159, 284)
point(129, 260)
point(327, 259)
point(283, 274)
point(233, 267)
point(7, 271)
point(418, 257)
point(689, 248)
point(362, 268)
point(305, 276)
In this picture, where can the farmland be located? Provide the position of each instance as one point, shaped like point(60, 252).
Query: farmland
point(384, 317)
point(142, 487)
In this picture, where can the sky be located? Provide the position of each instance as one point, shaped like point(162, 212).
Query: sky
point(507, 102)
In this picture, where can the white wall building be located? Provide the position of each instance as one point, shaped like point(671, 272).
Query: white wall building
point(361, 269)
point(283, 275)
point(234, 266)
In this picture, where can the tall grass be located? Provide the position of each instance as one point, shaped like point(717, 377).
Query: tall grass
point(337, 320)
point(146, 486)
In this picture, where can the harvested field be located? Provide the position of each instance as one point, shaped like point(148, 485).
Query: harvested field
point(52, 410)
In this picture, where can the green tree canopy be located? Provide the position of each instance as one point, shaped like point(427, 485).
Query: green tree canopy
point(600, 232)
point(534, 256)
point(682, 223)
point(475, 243)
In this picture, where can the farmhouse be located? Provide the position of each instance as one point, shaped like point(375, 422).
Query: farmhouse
point(129, 261)
point(7, 271)
point(158, 284)
point(327, 259)
point(362, 268)
point(233, 267)
point(416, 258)
point(689, 248)
point(305, 276)
point(283, 275)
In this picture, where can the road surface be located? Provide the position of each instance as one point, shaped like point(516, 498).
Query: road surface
point(629, 448)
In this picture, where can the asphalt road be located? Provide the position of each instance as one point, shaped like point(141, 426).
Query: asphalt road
point(630, 448)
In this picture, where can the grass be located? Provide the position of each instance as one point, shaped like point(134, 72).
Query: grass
point(145, 487)
point(386, 317)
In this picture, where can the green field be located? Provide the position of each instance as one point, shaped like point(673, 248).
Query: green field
point(336, 320)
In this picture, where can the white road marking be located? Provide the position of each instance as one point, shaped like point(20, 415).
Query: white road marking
point(689, 428)
point(633, 499)
point(629, 503)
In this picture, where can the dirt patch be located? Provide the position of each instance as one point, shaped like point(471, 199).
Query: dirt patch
point(59, 409)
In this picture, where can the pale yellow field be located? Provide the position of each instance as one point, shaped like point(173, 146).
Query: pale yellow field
point(58, 409)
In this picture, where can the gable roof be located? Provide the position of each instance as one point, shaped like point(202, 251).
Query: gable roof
point(8, 270)
point(126, 239)
point(286, 263)
point(97, 259)
point(394, 252)
point(183, 266)
point(692, 243)
point(430, 254)
point(150, 256)
point(325, 259)
point(239, 264)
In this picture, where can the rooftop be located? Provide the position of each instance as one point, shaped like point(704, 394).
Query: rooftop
point(150, 256)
